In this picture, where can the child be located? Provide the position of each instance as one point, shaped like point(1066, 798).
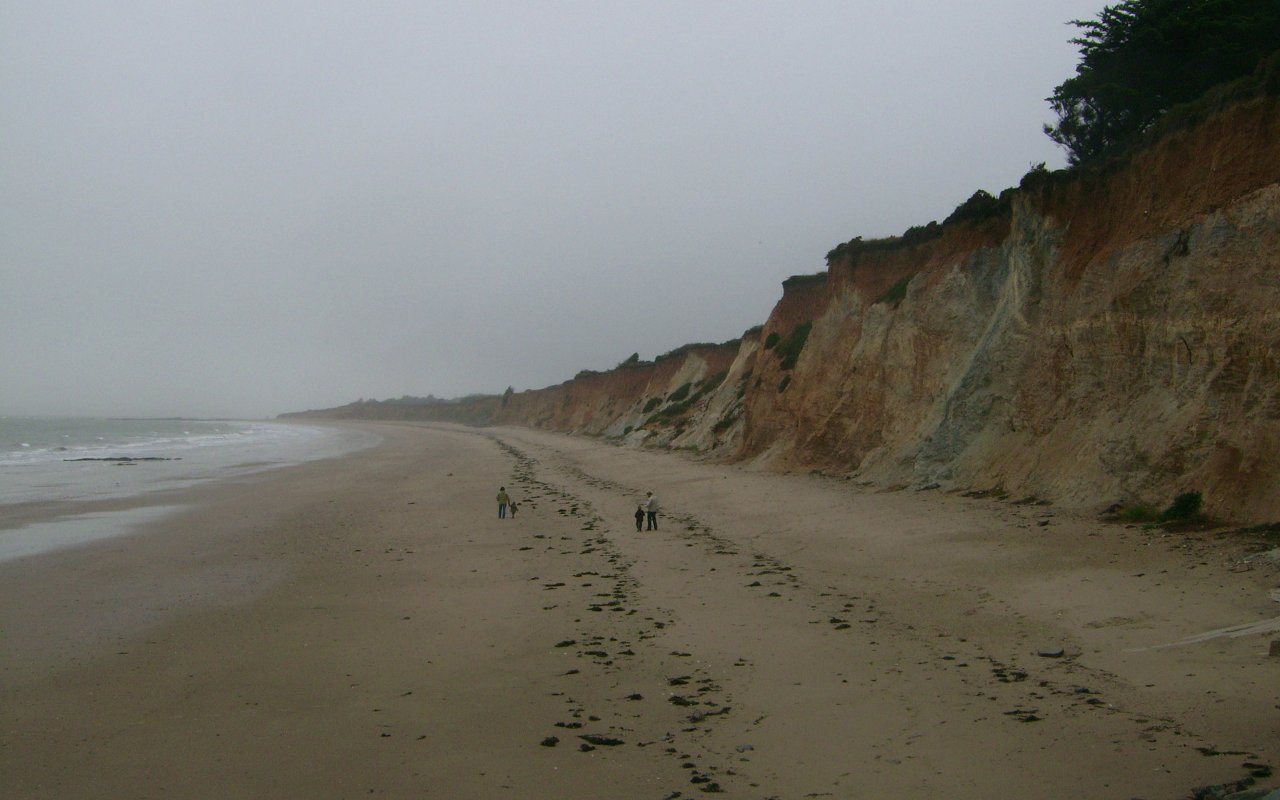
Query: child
point(513, 507)
point(639, 517)
point(503, 499)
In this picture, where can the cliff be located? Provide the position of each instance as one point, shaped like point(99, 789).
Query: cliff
point(1107, 336)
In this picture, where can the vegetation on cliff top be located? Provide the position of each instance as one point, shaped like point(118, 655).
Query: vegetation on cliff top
point(805, 280)
point(1141, 58)
point(1146, 66)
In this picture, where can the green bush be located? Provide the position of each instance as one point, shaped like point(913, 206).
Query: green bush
point(896, 293)
point(1143, 57)
point(1185, 506)
point(919, 234)
point(725, 422)
point(771, 340)
point(789, 350)
point(980, 205)
point(782, 386)
point(675, 409)
point(1139, 514)
point(805, 280)
point(681, 393)
point(685, 349)
point(652, 404)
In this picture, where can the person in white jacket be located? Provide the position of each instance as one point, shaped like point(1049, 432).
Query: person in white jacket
point(651, 512)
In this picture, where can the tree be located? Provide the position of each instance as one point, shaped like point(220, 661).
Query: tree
point(1142, 57)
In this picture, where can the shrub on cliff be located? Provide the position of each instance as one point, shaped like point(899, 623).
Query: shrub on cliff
point(789, 349)
point(980, 205)
point(896, 293)
point(1140, 58)
point(805, 280)
point(1185, 506)
point(685, 349)
point(919, 234)
point(726, 421)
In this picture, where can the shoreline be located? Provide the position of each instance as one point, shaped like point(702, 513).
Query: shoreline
point(43, 524)
point(366, 624)
point(131, 463)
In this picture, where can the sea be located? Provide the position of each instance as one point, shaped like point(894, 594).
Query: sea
point(52, 459)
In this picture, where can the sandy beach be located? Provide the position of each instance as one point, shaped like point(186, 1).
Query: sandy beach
point(367, 626)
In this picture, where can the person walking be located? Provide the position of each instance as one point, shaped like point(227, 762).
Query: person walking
point(651, 511)
point(503, 499)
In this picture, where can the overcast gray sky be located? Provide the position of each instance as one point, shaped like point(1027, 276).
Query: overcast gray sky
point(232, 208)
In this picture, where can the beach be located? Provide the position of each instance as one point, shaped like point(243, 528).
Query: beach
point(366, 626)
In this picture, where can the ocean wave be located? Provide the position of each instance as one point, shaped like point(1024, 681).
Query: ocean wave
point(81, 461)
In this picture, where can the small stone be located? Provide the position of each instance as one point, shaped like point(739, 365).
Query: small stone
point(1051, 652)
point(551, 741)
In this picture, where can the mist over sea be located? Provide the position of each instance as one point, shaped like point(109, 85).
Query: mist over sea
point(84, 458)
point(66, 460)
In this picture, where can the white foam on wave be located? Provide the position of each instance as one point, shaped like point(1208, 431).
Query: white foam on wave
point(166, 460)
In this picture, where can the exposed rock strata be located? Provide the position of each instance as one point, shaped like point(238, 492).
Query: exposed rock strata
point(1108, 338)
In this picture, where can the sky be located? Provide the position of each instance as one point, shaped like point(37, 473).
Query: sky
point(239, 209)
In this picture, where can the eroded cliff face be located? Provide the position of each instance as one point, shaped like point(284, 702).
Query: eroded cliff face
point(656, 400)
point(1110, 338)
point(1115, 340)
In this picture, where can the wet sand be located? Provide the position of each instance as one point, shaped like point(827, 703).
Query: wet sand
point(366, 626)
